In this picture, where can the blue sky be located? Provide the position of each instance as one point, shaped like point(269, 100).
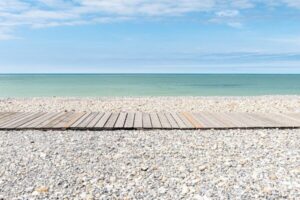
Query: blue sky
point(152, 36)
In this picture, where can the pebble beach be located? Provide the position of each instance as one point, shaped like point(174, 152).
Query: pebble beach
point(156, 164)
point(263, 104)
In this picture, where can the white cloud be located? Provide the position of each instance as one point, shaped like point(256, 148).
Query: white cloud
point(47, 13)
point(145, 7)
point(242, 4)
point(6, 34)
point(292, 3)
point(12, 5)
point(291, 40)
point(228, 13)
point(235, 24)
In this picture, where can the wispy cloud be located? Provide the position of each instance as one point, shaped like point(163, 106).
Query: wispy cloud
point(48, 13)
point(228, 13)
point(292, 3)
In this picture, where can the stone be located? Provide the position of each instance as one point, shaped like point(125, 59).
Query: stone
point(202, 167)
point(162, 190)
point(42, 189)
point(184, 190)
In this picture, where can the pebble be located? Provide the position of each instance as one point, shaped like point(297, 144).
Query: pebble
point(162, 190)
point(155, 164)
point(184, 190)
point(266, 104)
point(42, 189)
point(203, 167)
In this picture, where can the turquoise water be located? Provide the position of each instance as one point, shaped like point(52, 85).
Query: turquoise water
point(84, 85)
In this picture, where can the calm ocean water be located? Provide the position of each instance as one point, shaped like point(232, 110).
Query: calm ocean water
point(84, 85)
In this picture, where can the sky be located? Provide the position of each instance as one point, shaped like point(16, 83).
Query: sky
point(149, 36)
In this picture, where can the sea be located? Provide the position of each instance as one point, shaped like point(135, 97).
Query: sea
point(118, 85)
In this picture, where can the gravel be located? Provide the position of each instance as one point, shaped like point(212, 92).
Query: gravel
point(155, 104)
point(211, 164)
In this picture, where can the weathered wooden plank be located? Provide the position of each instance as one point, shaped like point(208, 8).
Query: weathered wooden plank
point(164, 121)
point(256, 122)
point(187, 123)
point(60, 123)
point(73, 120)
point(191, 118)
point(138, 120)
point(171, 120)
point(264, 118)
point(80, 120)
point(6, 114)
point(3, 114)
point(129, 121)
point(234, 119)
point(9, 117)
point(215, 120)
point(13, 119)
point(121, 120)
point(29, 118)
point(87, 120)
point(223, 119)
point(280, 119)
point(146, 121)
point(101, 123)
point(292, 116)
point(112, 120)
point(178, 120)
point(288, 120)
point(48, 120)
point(95, 120)
point(69, 120)
point(206, 121)
point(155, 120)
point(55, 121)
point(35, 122)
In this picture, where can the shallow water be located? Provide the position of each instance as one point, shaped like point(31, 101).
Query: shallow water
point(87, 85)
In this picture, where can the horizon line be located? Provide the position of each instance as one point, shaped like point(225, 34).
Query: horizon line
point(146, 73)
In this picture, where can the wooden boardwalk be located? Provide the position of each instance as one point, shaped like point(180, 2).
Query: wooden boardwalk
point(138, 120)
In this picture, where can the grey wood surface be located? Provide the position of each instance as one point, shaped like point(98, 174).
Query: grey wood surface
point(101, 123)
point(95, 120)
point(164, 121)
point(139, 120)
point(147, 121)
point(25, 120)
point(178, 120)
point(112, 120)
point(171, 120)
point(121, 120)
point(87, 120)
point(187, 123)
point(80, 120)
point(129, 123)
point(15, 119)
point(48, 120)
point(155, 120)
point(38, 120)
